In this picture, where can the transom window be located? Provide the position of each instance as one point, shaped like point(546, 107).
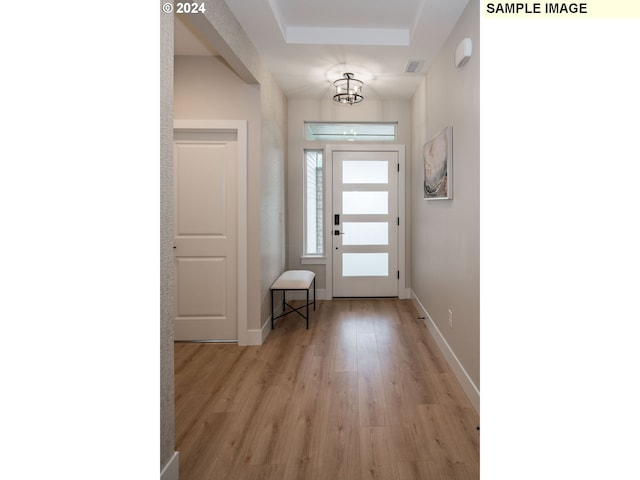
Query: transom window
point(351, 132)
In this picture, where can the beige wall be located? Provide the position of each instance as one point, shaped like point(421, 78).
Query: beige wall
point(325, 110)
point(272, 195)
point(446, 244)
point(206, 88)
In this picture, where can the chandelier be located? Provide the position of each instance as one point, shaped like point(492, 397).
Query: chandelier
point(348, 89)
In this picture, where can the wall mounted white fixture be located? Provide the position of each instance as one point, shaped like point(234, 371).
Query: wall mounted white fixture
point(463, 52)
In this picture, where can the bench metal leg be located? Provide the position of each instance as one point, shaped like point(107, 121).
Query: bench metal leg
point(291, 307)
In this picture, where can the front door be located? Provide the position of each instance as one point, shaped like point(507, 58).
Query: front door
point(205, 240)
point(365, 223)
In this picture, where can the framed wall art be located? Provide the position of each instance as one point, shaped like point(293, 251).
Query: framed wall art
point(438, 156)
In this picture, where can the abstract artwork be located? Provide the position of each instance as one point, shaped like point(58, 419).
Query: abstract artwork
point(437, 155)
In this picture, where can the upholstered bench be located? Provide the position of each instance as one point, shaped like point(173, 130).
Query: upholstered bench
point(294, 280)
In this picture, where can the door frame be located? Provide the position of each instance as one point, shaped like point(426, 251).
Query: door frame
point(360, 147)
point(239, 127)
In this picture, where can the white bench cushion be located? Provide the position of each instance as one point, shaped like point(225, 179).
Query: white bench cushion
point(294, 280)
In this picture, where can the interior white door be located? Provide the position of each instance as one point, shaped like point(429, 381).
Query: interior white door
point(205, 239)
point(365, 223)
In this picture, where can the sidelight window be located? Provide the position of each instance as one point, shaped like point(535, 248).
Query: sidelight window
point(313, 203)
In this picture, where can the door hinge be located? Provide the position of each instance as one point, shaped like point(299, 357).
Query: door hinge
point(398, 221)
point(398, 167)
point(398, 274)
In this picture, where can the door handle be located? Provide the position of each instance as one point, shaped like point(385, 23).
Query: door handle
point(338, 232)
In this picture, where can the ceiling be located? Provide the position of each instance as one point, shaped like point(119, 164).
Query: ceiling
point(308, 44)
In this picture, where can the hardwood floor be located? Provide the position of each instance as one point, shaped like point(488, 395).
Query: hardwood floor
point(363, 394)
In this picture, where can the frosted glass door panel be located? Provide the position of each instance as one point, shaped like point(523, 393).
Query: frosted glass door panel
point(365, 171)
point(365, 233)
point(365, 264)
point(365, 203)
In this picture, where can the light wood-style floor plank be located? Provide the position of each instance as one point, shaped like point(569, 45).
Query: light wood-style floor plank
point(376, 458)
point(363, 394)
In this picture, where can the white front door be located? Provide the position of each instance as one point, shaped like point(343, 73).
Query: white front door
point(365, 222)
point(205, 239)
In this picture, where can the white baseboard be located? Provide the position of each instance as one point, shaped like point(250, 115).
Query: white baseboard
point(171, 470)
point(463, 378)
point(257, 337)
point(266, 329)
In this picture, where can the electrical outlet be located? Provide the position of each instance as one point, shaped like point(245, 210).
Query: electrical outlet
point(450, 319)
